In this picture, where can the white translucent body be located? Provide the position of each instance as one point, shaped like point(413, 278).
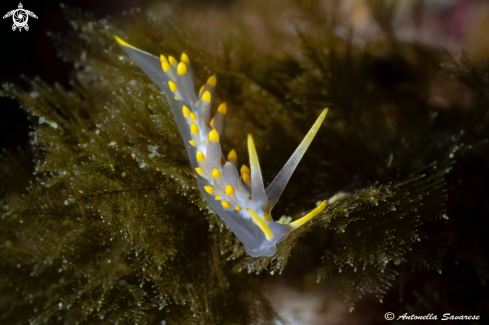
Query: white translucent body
point(259, 237)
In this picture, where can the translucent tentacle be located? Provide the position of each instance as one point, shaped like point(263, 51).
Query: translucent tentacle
point(246, 176)
point(214, 192)
point(217, 180)
point(167, 68)
point(230, 174)
point(195, 134)
point(203, 110)
point(210, 86)
point(231, 194)
point(257, 188)
point(203, 169)
point(185, 59)
point(185, 84)
point(220, 118)
point(275, 189)
point(213, 151)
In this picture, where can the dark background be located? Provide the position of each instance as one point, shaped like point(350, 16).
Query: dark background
point(28, 54)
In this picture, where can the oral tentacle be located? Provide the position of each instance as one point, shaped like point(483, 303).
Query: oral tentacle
point(276, 187)
point(257, 188)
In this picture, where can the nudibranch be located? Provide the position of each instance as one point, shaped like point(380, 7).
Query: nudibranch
point(241, 201)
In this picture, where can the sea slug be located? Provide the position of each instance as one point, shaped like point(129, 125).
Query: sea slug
point(241, 201)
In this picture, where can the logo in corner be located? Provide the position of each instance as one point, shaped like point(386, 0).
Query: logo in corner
point(20, 17)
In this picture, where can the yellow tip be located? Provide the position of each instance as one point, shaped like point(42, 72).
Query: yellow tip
point(246, 177)
point(200, 156)
point(212, 80)
point(218, 198)
point(172, 60)
point(193, 117)
point(222, 108)
point(216, 173)
point(194, 129)
point(211, 123)
point(208, 189)
point(201, 89)
point(199, 171)
point(172, 85)
point(207, 96)
point(192, 143)
point(226, 204)
point(122, 42)
point(263, 226)
point(238, 208)
point(164, 63)
point(185, 110)
point(232, 155)
point(184, 58)
point(181, 68)
point(229, 190)
point(245, 169)
point(213, 135)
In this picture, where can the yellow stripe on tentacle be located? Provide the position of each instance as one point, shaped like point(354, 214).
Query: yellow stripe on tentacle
point(263, 226)
point(296, 224)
